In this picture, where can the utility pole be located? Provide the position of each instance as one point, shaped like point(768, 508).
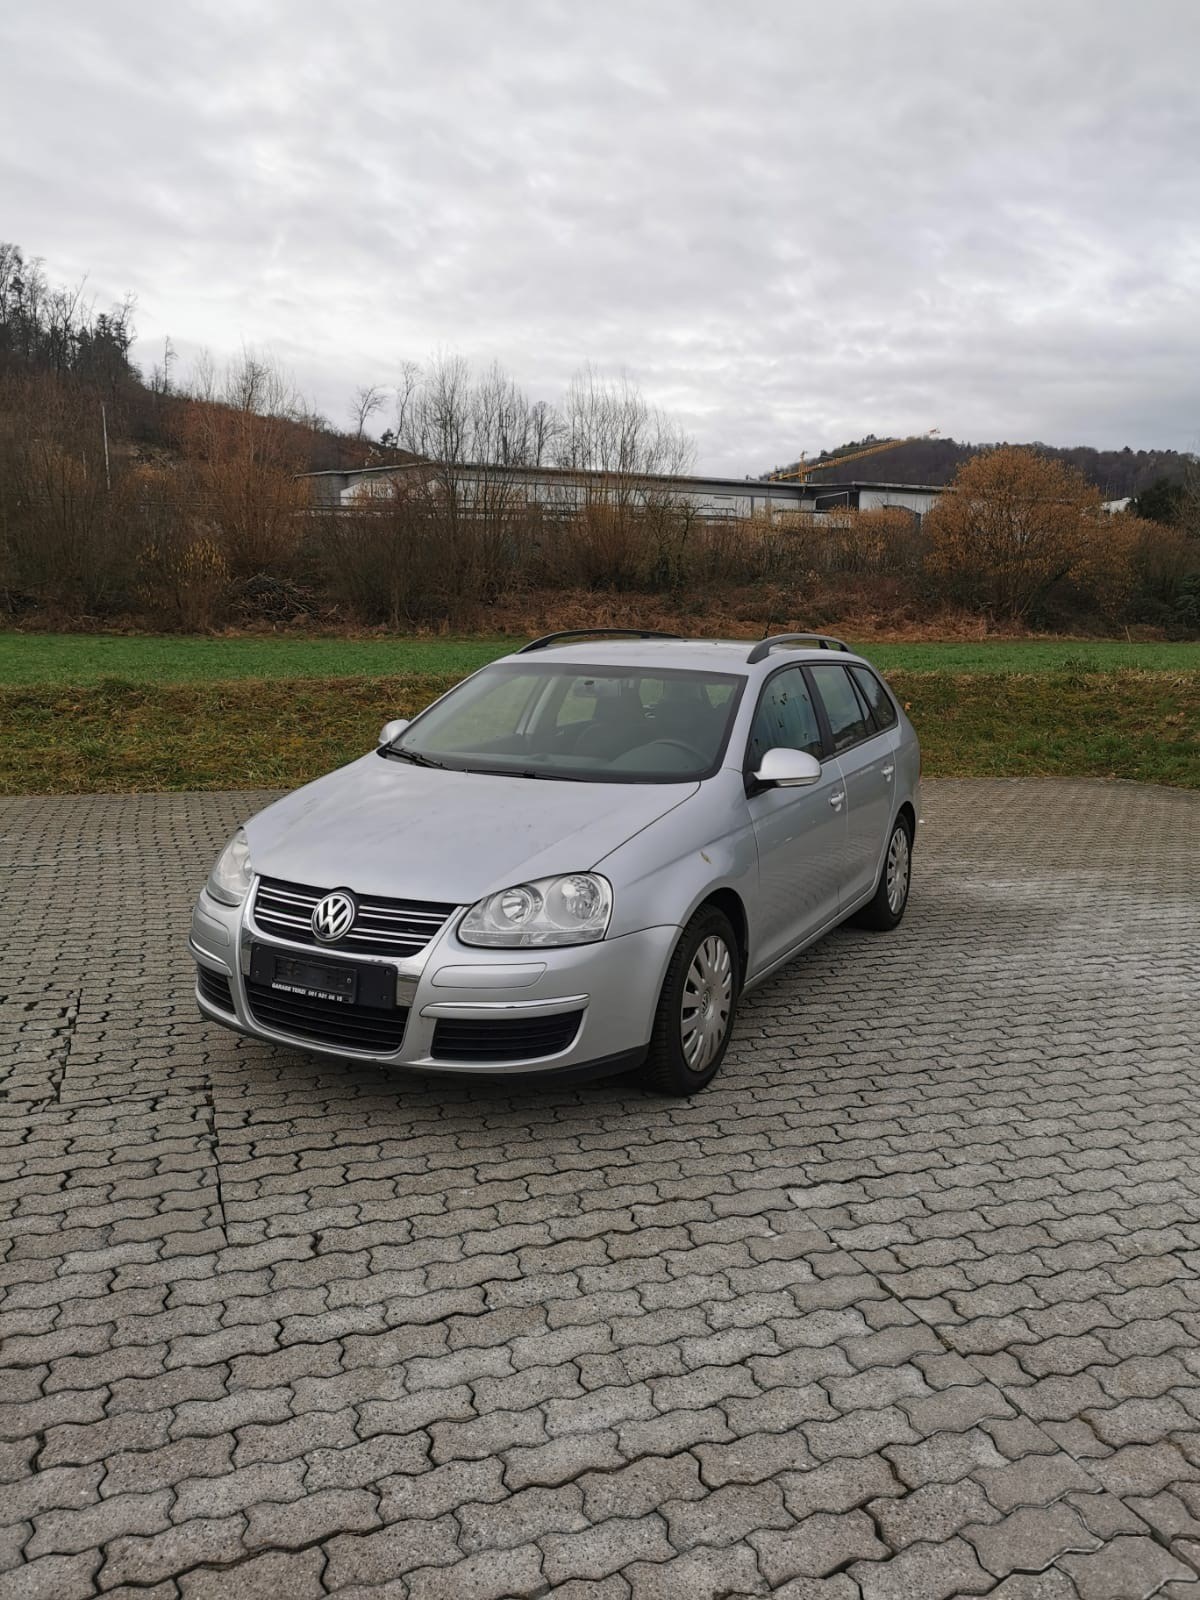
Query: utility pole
point(104, 430)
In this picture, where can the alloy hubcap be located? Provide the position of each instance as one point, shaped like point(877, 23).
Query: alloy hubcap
point(897, 871)
point(707, 1003)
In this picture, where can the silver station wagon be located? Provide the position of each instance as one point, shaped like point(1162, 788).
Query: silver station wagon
point(575, 862)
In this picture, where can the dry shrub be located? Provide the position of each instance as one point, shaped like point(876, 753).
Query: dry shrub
point(184, 582)
point(1013, 524)
point(61, 526)
point(240, 471)
point(1163, 557)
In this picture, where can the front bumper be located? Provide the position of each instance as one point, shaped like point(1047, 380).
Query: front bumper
point(614, 984)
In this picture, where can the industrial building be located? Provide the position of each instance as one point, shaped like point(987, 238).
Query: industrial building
point(564, 489)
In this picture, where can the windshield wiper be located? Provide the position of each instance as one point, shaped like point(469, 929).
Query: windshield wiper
point(414, 756)
point(527, 772)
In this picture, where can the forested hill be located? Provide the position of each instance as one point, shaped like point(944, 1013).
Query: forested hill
point(1115, 473)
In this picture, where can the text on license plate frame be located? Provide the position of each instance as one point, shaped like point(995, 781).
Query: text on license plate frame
point(309, 977)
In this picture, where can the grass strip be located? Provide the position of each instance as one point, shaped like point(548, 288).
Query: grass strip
point(78, 658)
point(127, 738)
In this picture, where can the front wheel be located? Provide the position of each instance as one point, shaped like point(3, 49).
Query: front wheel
point(696, 1008)
point(886, 907)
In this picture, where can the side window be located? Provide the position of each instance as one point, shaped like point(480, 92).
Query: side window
point(847, 713)
point(876, 697)
point(785, 717)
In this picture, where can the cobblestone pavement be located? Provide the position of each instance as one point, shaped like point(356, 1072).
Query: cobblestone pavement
point(905, 1305)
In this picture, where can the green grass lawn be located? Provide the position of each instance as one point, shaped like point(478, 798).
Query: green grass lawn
point(81, 659)
point(278, 733)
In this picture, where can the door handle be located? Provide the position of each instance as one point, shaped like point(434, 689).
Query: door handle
point(888, 770)
point(836, 798)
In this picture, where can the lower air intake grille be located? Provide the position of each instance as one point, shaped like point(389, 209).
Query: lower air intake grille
point(369, 1028)
point(505, 1039)
point(214, 987)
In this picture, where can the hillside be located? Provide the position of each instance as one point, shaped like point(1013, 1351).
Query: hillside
point(1115, 473)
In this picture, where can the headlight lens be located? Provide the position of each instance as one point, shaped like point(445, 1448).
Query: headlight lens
point(230, 877)
point(574, 909)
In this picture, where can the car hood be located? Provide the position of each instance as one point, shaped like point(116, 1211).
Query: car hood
point(386, 827)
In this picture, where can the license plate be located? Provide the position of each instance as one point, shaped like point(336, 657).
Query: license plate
point(316, 979)
point(342, 982)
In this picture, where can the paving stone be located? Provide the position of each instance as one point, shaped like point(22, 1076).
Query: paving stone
point(726, 1516)
point(86, 1528)
point(603, 1549)
point(499, 1575)
point(295, 1575)
point(1140, 1469)
point(1053, 1584)
point(934, 1572)
point(1033, 1480)
point(317, 1516)
point(943, 1458)
point(145, 1561)
point(932, 1513)
point(1127, 1568)
point(1140, 1421)
point(699, 1575)
point(752, 1459)
point(561, 1461)
point(53, 1578)
point(521, 1518)
point(642, 1487)
point(391, 1552)
point(1030, 1538)
point(839, 1485)
point(817, 1547)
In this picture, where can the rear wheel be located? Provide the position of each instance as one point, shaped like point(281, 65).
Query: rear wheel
point(696, 1008)
point(885, 909)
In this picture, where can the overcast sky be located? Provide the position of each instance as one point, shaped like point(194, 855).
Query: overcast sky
point(792, 222)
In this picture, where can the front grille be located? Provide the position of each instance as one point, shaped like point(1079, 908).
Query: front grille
point(381, 927)
point(505, 1039)
point(376, 1029)
point(214, 987)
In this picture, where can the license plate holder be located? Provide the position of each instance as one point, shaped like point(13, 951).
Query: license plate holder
point(317, 978)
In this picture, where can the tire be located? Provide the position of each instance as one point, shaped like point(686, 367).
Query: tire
point(885, 910)
point(705, 964)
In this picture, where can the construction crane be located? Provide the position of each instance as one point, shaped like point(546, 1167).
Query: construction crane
point(804, 469)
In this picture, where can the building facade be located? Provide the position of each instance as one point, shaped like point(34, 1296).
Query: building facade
point(563, 489)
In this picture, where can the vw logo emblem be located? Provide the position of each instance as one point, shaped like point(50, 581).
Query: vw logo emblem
point(333, 916)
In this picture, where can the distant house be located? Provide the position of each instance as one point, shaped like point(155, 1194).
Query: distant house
point(564, 489)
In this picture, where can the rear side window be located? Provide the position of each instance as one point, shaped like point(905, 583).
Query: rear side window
point(786, 718)
point(849, 720)
point(876, 697)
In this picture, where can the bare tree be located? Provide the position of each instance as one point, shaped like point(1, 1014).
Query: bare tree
point(609, 427)
point(257, 384)
point(160, 374)
point(202, 381)
point(368, 399)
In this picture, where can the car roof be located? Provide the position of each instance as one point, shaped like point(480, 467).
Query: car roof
point(714, 655)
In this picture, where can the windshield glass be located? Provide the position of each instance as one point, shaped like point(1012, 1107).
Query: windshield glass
point(595, 724)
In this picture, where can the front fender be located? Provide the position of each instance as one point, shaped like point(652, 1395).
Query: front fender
point(662, 874)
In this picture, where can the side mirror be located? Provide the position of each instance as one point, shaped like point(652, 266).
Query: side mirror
point(391, 731)
point(788, 769)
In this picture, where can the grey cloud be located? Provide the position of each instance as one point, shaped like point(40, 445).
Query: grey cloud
point(790, 224)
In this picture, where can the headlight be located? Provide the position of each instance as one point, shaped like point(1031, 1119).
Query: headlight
point(230, 878)
point(570, 910)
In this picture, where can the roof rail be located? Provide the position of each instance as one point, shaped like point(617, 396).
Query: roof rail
point(823, 641)
point(591, 633)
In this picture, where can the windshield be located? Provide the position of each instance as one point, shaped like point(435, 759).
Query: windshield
point(593, 724)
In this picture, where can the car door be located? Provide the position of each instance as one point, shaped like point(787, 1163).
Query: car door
point(801, 832)
point(866, 759)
